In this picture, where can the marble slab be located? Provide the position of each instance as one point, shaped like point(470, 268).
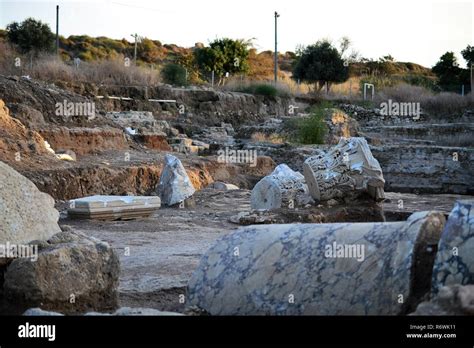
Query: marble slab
point(113, 207)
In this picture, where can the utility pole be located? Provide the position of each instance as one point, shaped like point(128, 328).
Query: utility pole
point(57, 30)
point(276, 47)
point(135, 51)
point(472, 83)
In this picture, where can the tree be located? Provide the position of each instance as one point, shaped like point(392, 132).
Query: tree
point(320, 63)
point(448, 71)
point(223, 56)
point(31, 36)
point(468, 55)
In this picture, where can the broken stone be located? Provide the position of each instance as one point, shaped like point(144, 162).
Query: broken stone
point(450, 300)
point(74, 273)
point(113, 207)
point(222, 186)
point(283, 187)
point(454, 262)
point(34, 312)
point(26, 214)
point(307, 269)
point(175, 185)
point(122, 311)
point(346, 170)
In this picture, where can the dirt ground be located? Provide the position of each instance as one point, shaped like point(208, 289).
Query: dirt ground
point(158, 254)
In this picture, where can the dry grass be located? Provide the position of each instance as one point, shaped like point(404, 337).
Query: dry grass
point(434, 104)
point(52, 69)
point(273, 138)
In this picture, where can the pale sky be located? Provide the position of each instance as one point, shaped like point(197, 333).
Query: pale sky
point(419, 31)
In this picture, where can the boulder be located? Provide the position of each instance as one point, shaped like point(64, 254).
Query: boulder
point(282, 188)
point(345, 171)
point(454, 262)
point(72, 273)
point(26, 214)
point(175, 186)
point(316, 269)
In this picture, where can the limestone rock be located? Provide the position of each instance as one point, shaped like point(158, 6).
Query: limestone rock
point(222, 186)
point(73, 273)
point(26, 214)
point(454, 262)
point(314, 269)
point(345, 170)
point(174, 186)
point(283, 187)
point(340, 125)
point(450, 300)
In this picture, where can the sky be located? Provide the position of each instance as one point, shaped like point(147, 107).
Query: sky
point(418, 31)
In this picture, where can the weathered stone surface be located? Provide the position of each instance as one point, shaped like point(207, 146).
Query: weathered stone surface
point(345, 170)
point(174, 186)
point(296, 269)
point(73, 273)
point(222, 186)
point(283, 187)
point(427, 169)
point(26, 214)
point(122, 311)
point(454, 262)
point(127, 311)
point(34, 312)
point(340, 125)
point(450, 300)
point(113, 207)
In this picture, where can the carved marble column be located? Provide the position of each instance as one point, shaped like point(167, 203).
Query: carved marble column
point(282, 188)
point(346, 169)
point(313, 269)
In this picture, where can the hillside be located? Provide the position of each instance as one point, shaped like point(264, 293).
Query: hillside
point(153, 53)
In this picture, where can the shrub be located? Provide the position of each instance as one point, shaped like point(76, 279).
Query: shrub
point(266, 90)
point(312, 129)
point(174, 74)
point(258, 88)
